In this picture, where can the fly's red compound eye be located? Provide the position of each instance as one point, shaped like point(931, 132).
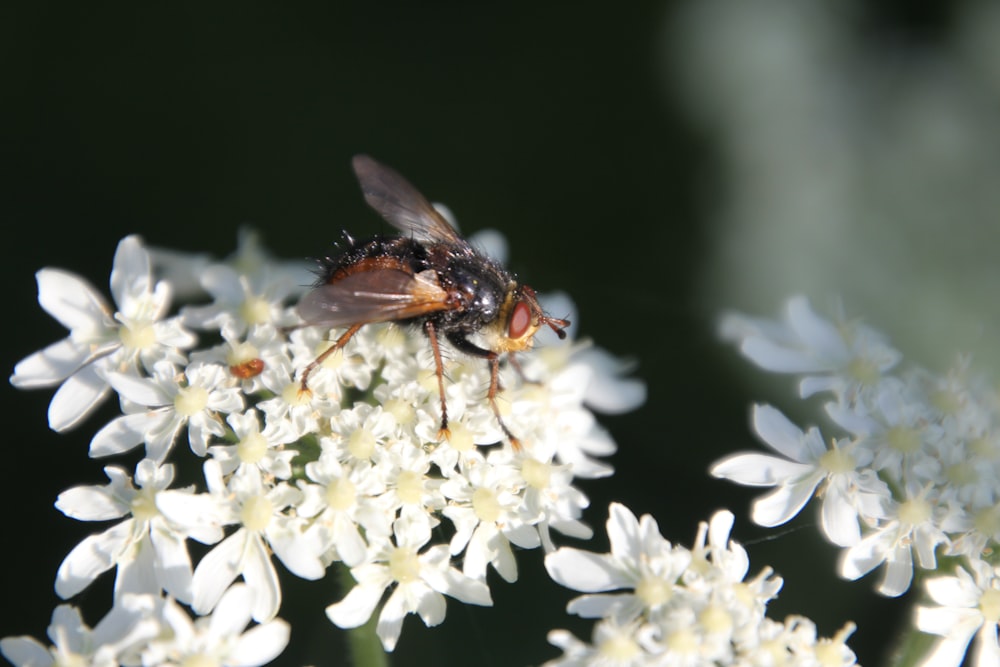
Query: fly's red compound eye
point(520, 320)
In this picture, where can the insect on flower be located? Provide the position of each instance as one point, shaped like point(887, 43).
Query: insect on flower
point(428, 276)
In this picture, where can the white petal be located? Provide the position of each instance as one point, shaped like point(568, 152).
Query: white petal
point(777, 358)
point(987, 651)
point(94, 555)
point(260, 644)
point(141, 391)
point(91, 503)
point(783, 503)
point(123, 433)
point(216, 571)
point(953, 591)
point(623, 531)
point(72, 300)
point(390, 620)
point(173, 564)
point(50, 366)
point(584, 571)
point(898, 573)
point(862, 558)
point(839, 520)
point(595, 606)
point(78, 396)
point(232, 614)
point(752, 469)
point(25, 652)
point(297, 552)
point(262, 578)
point(775, 429)
point(130, 273)
point(430, 605)
point(356, 607)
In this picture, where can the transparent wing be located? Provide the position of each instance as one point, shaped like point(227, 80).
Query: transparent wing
point(400, 203)
point(381, 295)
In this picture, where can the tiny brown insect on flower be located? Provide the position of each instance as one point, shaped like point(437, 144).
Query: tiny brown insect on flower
point(428, 276)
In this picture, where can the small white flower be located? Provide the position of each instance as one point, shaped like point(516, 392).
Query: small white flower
point(112, 642)
point(849, 488)
point(260, 511)
point(254, 447)
point(221, 638)
point(148, 551)
point(969, 608)
point(640, 561)
point(342, 500)
point(837, 355)
point(101, 339)
point(484, 502)
point(419, 579)
point(165, 402)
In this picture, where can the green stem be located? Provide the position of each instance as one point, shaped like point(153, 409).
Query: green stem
point(363, 644)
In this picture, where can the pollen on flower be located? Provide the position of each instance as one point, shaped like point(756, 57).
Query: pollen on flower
point(989, 606)
point(137, 336)
point(410, 487)
point(460, 437)
point(293, 395)
point(255, 310)
point(716, 619)
point(903, 439)
point(654, 591)
point(619, 648)
point(427, 379)
point(984, 449)
point(536, 474)
point(946, 401)
point(486, 505)
point(914, 511)
point(682, 641)
point(962, 473)
point(404, 414)
point(361, 444)
point(200, 660)
point(341, 494)
point(256, 512)
point(252, 448)
point(404, 566)
point(143, 506)
point(190, 401)
point(863, 370)
point(987, 520)
point(836, 460)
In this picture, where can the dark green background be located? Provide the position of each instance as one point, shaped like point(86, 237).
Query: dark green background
point(552, 122)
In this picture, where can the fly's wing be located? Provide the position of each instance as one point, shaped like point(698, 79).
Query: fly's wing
point(381, 295)
point(400, 203)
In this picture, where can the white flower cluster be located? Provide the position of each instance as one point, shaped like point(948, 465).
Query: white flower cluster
point(680, 607)
point(912, 477)
point(348, 472)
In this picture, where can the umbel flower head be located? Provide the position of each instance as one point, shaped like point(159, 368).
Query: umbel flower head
point(909, 471)
point(664, 604)
point(350, 472)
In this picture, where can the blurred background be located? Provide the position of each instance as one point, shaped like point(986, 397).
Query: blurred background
point(659, 161)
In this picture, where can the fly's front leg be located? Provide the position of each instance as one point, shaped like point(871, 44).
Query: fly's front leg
point(443, 432)
point(338, 345)
point(464, 345)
